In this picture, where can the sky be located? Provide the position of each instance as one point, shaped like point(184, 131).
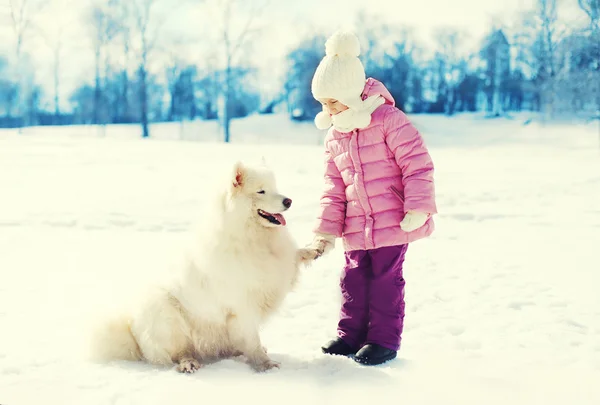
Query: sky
point(281, 25)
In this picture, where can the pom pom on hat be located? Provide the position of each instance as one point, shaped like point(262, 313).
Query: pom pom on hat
point(343, 44)
point(323, 120)
point(340, 74)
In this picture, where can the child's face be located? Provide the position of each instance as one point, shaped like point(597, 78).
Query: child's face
point(333, 106)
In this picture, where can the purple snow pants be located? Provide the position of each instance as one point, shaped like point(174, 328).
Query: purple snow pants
point(373, 297)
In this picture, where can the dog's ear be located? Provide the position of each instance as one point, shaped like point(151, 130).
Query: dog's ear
point(239, 174)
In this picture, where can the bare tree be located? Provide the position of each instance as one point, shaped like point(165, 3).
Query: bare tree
point(370, 31)
point(454, 67)
point(54, 38)
point(21, 22)
point(22, 13)
point(233, 41)
point(104, 27)
point(147, 25)
point(173, 75)
point(592, 9)
point(56, 54)
point(496, 55)
point(549, 36)
point(112, 25)
point(142, 13)
point(123, 105)
point(538, 51)
point(302, 63)
point(8, 88)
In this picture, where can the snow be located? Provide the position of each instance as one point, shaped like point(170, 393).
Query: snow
point(502, 302)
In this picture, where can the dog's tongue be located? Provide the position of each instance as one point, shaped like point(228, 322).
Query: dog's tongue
point(280, 218)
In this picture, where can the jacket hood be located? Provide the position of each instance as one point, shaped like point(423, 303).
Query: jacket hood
point(374, 87)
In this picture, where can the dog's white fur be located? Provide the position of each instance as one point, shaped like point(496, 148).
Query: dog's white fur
point(228, 286)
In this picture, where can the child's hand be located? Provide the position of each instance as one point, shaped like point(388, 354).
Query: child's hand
point(413, 220)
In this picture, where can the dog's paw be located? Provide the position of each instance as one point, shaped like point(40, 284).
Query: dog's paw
point(188, 366)
point(308, 254)
point(265, 365)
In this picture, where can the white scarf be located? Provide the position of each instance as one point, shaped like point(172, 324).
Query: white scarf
point(351, 118)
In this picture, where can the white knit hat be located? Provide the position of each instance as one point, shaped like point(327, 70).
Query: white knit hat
point(340, 75)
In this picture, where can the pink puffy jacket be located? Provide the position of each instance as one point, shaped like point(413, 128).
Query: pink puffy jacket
point(373, 176)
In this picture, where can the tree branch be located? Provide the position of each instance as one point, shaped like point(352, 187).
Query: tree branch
point(246, 30)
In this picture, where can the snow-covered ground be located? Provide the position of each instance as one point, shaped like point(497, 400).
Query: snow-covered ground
point(502, 301)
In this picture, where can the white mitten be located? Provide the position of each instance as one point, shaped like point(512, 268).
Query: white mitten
point(413, 220)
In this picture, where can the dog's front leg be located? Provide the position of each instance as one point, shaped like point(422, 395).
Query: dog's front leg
point(245, 337)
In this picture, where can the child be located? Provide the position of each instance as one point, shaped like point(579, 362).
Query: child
point(379, 196)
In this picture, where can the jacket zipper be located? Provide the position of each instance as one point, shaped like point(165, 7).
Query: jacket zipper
point(397, 193)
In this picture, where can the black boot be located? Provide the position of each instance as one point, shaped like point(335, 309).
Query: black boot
point(338, 347)
point(373, 354)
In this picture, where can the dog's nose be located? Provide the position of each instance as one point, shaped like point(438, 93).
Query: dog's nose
point(287, 202)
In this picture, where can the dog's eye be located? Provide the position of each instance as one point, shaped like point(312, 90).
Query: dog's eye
point(261, 192)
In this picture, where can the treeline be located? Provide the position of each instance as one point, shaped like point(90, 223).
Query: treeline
point(542, 65)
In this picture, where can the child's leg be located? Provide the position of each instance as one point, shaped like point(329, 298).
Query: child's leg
point(354, 314)
point(386, 297)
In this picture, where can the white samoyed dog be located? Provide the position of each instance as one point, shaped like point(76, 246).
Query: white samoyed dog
point(232, 280)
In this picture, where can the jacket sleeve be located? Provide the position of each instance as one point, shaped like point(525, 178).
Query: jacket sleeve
point(332, 213)
point(416, 165)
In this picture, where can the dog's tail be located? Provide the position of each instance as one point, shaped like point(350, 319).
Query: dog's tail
point(113, 340)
